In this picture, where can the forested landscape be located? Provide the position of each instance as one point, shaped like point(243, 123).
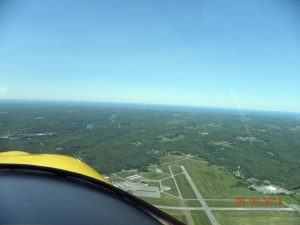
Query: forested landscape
point(112, 137)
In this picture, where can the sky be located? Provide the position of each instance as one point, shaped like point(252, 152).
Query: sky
point(212, 53)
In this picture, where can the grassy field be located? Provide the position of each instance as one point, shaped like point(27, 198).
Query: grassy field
point(254, 218)
point(170, 183)
point(153, 184)
point(165, 200)
point(291, 199)
point(224, 144)
point(200, 217)
point(155, 176)
point(177, 214)
point(214, 203)
point(212, 181)
point(220, 188)
point(125, 174)
point(176, 169)
point(165, 169)
point(192, 203)
point(170, 160)
point(216, 183)
point(184, 187)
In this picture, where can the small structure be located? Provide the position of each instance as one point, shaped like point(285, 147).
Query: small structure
point(271, 188)
point(134, 177)
point(158, 170)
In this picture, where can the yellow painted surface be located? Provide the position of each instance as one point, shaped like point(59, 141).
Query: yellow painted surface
point(50, 160)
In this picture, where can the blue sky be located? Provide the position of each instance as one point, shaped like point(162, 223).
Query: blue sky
point(206, 53)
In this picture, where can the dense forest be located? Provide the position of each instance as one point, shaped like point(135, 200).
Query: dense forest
point(111, 137)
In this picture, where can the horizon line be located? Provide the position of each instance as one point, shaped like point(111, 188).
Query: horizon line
point(147, 103)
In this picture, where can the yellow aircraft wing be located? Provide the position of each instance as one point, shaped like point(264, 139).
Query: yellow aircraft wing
point(50, 160)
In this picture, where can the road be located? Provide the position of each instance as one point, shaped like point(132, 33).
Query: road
point(186, 213)
point(172, 175)
point(226, 208)
point(250, 209)
point(178, 208)
point(296, 207)
point(200, 198)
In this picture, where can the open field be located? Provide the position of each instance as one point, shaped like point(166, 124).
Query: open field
point(176, 169)
point(186, 190)
point(253, 218)
point(215, 182)
point(192, 203)
point(176, 213)
point(200, 217)
point(232, 203)
point(165, 200)
point(224, 144)
point(169, 182)
point(125, 174)
point(219, 189)
point(152, 184)
point(155, 176)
